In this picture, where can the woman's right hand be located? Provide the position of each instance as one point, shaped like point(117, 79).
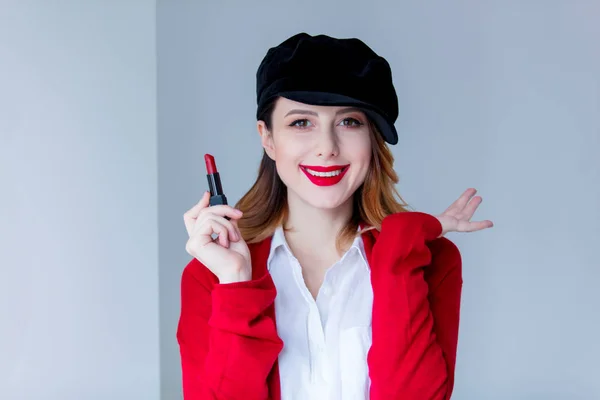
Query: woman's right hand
point(227, 256)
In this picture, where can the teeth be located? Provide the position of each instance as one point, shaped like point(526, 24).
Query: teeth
point(324, 174)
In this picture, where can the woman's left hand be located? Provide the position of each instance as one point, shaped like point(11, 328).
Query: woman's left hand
point(457, 217)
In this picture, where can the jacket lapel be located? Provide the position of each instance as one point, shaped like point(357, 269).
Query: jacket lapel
point(369, 238)
point(259, 253)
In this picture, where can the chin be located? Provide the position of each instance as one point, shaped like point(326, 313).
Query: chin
point(325, 205)
point(324, 198)
point(325, 201)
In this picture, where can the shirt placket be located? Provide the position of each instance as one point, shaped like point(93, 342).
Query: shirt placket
point(315, 337)
point(318, 355)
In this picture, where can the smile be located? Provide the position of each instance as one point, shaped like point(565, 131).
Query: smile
point(325, 176)
point(332, 173)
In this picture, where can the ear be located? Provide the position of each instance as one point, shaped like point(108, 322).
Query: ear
point(266, 138)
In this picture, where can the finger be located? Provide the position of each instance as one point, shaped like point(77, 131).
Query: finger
point(471, 207)
point(222, 210)
point(201, 240)
point(460, 203)
point(238, 233)
point(190, 216)
point(205, 226)
point(233, 236)
point(220, 230)
point(203, 203)
point(224, 240)
point(474, 226)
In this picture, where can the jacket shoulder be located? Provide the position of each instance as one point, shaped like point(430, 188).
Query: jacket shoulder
point(445, 248)
point(446, 260)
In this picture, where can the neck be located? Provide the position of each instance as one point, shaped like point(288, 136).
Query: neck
point(312, 228)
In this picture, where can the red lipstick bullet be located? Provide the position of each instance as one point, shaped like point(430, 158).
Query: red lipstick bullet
point(214, 182)
point(211, 167)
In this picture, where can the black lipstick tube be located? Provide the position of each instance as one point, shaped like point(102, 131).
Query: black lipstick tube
point(216, 189)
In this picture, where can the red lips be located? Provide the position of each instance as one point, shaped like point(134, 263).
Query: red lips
point(325, 180)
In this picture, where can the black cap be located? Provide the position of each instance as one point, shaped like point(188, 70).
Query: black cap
point(322, 70)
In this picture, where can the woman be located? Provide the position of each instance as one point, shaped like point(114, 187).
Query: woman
point(321, 284)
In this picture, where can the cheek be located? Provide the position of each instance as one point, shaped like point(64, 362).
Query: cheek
point(359, 150)
point(365, 163)
point(288, 155)
point(359, 153)
point(289, 151)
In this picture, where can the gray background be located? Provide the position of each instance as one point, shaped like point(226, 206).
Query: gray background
point(78, 201)
point(107, 105)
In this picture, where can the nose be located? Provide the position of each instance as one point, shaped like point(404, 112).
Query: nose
point(328, 145)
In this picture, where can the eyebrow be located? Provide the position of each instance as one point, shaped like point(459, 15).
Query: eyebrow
point(308, 112)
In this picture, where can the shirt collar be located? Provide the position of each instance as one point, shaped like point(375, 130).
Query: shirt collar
point(278, 240)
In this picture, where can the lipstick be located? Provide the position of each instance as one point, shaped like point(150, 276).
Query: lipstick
point(214, 182)
point(325, 175)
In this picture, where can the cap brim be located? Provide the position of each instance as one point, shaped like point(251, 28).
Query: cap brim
point(387, 129)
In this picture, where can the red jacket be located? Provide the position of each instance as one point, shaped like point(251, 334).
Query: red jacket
point(229, 343)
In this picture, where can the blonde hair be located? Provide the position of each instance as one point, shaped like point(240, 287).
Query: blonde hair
point(265, 204)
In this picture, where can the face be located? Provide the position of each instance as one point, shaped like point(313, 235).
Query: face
point(322, 153)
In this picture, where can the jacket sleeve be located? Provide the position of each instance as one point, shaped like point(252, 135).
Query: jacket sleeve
point(417, 283)
point(228, 344)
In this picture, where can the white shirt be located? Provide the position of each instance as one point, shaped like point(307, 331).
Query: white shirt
point(326, 341)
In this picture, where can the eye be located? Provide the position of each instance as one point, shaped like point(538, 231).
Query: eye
point(351, 122)
point(302, 121)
